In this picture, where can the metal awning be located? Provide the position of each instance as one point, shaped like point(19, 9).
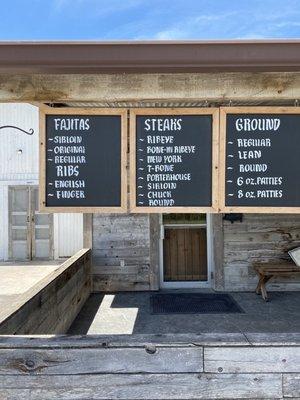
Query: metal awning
point(149, 57)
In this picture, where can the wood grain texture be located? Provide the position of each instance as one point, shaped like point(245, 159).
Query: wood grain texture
point(291, 385)
point(116, 88)
point(148, 367)
point(143, 387)
point(100, 361)
point(121, 252)
point(218, 251)
point(134, 340)
point(259, 239)
point(52, 304)
point(258, 360)
point(154, 222)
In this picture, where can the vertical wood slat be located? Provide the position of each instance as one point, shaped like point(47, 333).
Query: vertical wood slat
point(185, 254)
point(154, 273)
point(181, 249)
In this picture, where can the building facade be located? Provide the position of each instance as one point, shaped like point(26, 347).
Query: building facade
point(142, 251)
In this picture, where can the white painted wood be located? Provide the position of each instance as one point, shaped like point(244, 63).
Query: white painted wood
point(3, 223)
point(22, 169)
point(4, 213)
point(18, 151)
point(68, 234)
point(16, 168)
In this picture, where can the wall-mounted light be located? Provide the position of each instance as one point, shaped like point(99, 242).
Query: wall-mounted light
point(233, 217)
point(20, 151)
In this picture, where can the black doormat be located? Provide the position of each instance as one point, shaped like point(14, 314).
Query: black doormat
point(194, 303)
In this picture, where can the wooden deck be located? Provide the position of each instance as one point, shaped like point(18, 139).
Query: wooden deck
point(151, 367)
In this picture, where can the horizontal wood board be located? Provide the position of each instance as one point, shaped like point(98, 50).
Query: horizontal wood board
point(88, 368)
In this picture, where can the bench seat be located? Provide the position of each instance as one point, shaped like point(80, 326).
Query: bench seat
point(267, 271)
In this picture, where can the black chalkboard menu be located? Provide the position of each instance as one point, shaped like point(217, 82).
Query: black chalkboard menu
point(261, 149)
point(172, 160)
point(84, 159)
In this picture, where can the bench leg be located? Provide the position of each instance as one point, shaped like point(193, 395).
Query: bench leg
point(263, 288)
point(258, 287)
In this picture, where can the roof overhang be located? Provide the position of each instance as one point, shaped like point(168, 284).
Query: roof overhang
point(149, 57)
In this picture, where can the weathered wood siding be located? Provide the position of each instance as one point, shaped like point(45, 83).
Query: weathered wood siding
point(127, 239)
point(52, 304)
point(170, 368)
point(259, 238)
point(121, 252)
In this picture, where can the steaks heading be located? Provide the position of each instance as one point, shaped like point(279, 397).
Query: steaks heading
point(173, 161)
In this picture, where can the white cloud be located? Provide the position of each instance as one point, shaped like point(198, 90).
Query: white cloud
point(192, 26)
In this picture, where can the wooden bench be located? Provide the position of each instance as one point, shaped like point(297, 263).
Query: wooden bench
point(268, 271)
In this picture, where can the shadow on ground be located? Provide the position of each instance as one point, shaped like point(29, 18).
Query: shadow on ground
point(130, 313)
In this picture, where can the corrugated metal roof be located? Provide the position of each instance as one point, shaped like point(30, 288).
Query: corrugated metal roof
point(179, 104)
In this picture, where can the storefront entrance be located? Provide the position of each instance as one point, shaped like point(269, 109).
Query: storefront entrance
point(185, 251)
point(30, 232)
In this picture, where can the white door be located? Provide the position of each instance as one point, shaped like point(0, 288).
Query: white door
point(186, 256)
point(30, 232)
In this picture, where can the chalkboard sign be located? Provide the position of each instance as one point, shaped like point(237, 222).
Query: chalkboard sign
point(260, 150)
point(173, 162)
point(83, 160)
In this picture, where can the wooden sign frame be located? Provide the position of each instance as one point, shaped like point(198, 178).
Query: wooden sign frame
point(44, 111)
point(214, 112)
point(222, 157)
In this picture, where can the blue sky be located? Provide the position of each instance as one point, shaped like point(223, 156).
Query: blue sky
point(145, 20)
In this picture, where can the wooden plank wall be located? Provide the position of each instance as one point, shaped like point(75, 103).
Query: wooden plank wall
point(52, 304)
point(129, 368)
point(259, 238)
point(121, 252)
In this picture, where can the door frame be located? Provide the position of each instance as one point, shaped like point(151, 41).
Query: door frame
point(210, 263)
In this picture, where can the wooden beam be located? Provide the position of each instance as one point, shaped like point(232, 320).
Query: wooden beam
point(154, 251)
point(218, 250)
point(138, 87)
